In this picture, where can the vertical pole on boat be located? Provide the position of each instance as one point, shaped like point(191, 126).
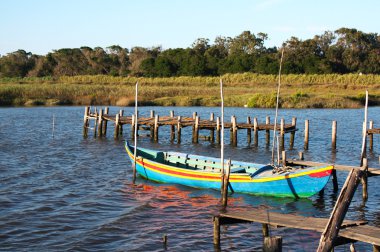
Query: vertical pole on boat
point(225, 184)
point(363, 153)
point(277, 102)
point(222, 133)
point(135, 135)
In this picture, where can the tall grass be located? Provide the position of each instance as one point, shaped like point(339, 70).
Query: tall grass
point(298, 91)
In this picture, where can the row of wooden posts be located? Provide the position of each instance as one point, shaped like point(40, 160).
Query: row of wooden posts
point(152, 123)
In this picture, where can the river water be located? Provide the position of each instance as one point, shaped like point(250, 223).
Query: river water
point(60, 191)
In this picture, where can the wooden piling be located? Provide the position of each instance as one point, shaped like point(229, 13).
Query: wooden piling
point(106, 111)
point(196, 130)
point(218, 130)
point(249, 131)
point(179, 127)
point(172, 127)
point(151, 128)
point(194, 115)
point(293, 133)
point(331, 231)
point(370, 136)
point(155, 134)
point(233, 131)
point(100, 122)
point(152, 114)
point(121, 112)
point(265, 230)
point(306, 140)
point(255, 132)
point(226, 181)
point(272, 244)
point(334, 180)
point(282, 134)
point(283, 158)
point(96, 123)
point(300, 155)
point(216, 221)
point(133, 125)
point(267, 132)
point(364, 180)
point(333, 135)
point(212, 131)
point(116, 132)
point(86, 121)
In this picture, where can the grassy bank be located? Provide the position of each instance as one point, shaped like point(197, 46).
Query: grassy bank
point(298, 91)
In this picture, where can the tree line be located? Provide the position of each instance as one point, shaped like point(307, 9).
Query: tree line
point(343, 51)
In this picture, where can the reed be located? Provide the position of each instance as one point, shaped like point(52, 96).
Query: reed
point(253, 90)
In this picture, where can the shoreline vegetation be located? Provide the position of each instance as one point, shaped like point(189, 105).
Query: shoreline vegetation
point(245, 89)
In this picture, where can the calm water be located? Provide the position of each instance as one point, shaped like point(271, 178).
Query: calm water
point(61, 192)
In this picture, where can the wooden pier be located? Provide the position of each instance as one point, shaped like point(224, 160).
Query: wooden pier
point(176, 123)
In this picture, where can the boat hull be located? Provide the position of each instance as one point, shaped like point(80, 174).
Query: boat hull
point(300, 184)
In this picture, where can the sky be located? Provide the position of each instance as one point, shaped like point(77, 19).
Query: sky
point(41, 26)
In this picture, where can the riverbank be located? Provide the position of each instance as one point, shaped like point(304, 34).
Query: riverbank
point(248, 89)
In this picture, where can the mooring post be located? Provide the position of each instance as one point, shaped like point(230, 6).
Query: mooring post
point(267, 132)
point(86, 121)
point(194, 115)
point(265, 229)
point(156, 119)
point(216, 221)
point(121, 112)
point(218, 130)
point(133, 125)
point(151, 125)
point(370, 135)
point(364, 179)
point(255, 132)
point(306, 140)
point(193, 128)
point(100, 122)
point(300, 155)
point(116, 132)
point(249, 130)
point(333, 135)
point(282, 134)
point(226, 180)
point(105, 122)
point(272, 244)
point(152, 114)
point(283, 158)
point(334, 180)
point(233, 131)
point(196, 130)
point(339, 211)
point(95, 122)
point(293, 133)
point(172, 127)
point(179, 127)
point(212, 130)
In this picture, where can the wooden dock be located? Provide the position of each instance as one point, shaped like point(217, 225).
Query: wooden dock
point(350, 231)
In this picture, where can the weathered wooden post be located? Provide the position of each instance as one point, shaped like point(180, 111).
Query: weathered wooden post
point(267, 132)
point(364, 179)
point(255, 132)
point(216, 221)
point(272, 244)
point(233, 131)
point(100, 122)
point(172, 127)
point(300, 155)
point(293, 133)
point(105, 122)
point(95, 122)
point(151, 126)
point(133, 125)
point(116, 132)
point(194, 115)
point(331, 231)
point(196, 130)
point(249, 130)
point(121, 112)
point(370, 136)
point(156, 119)
point(283, 158)
point(212, 130)
point(226, 180)
point(306, 140)
point(152, 114)
point(333, 135)
point(282, 134)
point(179, 127)
point(86, 121)
point(193, 128)
point(218, 130)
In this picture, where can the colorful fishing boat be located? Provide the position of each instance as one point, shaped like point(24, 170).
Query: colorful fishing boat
point(205, 172)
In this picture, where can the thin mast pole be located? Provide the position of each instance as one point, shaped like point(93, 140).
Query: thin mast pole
point(277, 101)
point(222, 127)
point(135, 149)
